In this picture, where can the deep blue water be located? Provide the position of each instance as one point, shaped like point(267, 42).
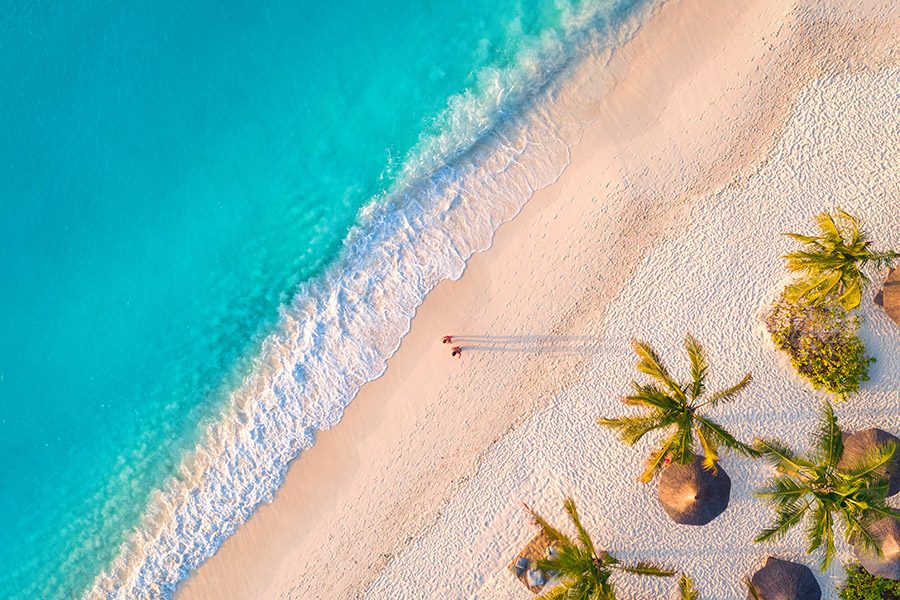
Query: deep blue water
point(169, 174)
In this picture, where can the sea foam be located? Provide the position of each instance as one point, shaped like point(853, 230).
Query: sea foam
point(497, 144)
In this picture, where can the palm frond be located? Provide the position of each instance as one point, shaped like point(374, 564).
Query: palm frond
point(829, 443)
point(871, 493)
point(820, 532)
point(829, 283)
point(683, 448)
point(883, 259)
point(782, 490)
point(852, 222)
point(688, 588)
point(814, 259)
point(645, 568)
point(803, 239)
point(780, 457)
point(726, 439)
point(828, 227)
point(867, 466)
point(754, 593)
point(557, 592)
point(568, 562)
point(820, 283)
point(632, 429)
point(710, 448)
point(799, 290)
point(786, 517)
point(852, 295)
point(554, 534)
point(650, 364)
point(880, 508)
point(857, 531)
point(583, 536)
point(699, 365)
point(651, 396)
point(582, 588)
point(727, 394)
point(657, 458)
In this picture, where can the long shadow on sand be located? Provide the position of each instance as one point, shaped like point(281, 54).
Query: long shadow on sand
point(541, 344)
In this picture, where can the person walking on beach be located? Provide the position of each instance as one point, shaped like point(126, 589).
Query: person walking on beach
point(455, 351)
point(447, 339)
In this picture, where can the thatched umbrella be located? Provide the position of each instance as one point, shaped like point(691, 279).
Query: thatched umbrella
point(858, 444)
point(785, 580)
point(886, 532)
point(889, 296)
point(692, 495)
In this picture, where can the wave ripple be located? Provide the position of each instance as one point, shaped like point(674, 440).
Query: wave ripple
point(340, 330)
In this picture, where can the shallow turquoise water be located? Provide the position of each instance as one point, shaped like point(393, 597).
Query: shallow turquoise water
point(169, 175)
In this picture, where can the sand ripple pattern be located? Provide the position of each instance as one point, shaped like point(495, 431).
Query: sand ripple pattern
point(841, 147)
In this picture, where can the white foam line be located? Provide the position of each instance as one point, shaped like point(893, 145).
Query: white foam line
point(339, 331)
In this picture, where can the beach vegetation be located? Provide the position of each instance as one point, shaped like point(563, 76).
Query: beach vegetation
point(813, 487)
point(823, 343)
point(751, 589)
point(832, 264)
point(583, 571)
point(862, 585)
point(688, 589)
point(679, 410)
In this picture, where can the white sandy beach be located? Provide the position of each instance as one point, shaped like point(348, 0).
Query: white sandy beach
point(719, 126)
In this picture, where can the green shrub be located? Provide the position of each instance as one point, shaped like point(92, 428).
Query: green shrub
point(862, 585)
point(822, 342)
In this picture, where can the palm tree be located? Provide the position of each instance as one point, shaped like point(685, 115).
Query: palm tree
point(677, 407)
point(582, 570)
point(833, 261)
point(815, 487)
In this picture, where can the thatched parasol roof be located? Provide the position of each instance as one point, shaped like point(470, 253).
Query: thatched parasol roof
point(785, 580)
point(889, 296)
point(691, 495)
point(886, 532)
point(858, 444)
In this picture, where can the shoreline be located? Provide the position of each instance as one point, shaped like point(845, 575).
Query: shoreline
point(679, 123)
point(340, 328)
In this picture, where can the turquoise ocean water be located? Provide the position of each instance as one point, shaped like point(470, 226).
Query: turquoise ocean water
point(171, 174)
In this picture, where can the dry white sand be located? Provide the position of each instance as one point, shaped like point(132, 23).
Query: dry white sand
point(841, 146)
point(729, 122)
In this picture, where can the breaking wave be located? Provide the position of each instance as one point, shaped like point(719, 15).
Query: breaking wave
point(497, 144)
